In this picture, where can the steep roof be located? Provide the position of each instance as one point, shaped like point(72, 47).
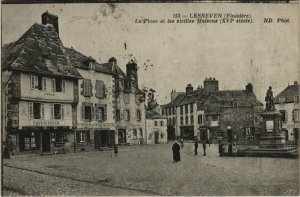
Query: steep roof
point(193, 97)
point(38, 50)
point(174, 102)
point(154, 115)
point(226, 97)
point(288, 93)
point(80, 61)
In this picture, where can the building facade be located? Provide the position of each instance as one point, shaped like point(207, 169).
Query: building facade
point(287, 103)
point(156, 128)
point(40, 91)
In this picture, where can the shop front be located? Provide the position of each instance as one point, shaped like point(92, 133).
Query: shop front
point(187, 132)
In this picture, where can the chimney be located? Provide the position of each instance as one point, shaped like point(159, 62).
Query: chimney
point(174, 94)
point(210, 85)
point(249, 87)
point(189, 88)
point(112, 62)
point(48, 18)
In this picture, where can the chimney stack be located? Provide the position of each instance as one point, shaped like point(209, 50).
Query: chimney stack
point(189, 88)
point(48, 18)
point(249, 87)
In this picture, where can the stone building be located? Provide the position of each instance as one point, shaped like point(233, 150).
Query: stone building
point(287, 103)
point(39, 91)
point(129, 104)
point(156, 128)
point(95, 127)
point(231, 113)
point(169, 110)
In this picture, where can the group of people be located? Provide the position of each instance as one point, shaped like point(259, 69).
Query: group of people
point(176, 149)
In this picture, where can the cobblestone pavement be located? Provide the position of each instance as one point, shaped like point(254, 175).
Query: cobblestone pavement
point(149, 170)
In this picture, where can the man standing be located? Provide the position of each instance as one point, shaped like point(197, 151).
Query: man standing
point(204, 147)
point(196, 146)
point(176, 152)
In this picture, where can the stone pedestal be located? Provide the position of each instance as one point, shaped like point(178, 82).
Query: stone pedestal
point(272, 136)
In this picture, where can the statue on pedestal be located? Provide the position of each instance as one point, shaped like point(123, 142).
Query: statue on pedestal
point(269, 100)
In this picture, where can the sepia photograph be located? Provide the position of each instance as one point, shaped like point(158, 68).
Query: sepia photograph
point(150, 99)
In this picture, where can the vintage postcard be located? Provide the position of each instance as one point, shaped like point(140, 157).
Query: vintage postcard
point(150, 98)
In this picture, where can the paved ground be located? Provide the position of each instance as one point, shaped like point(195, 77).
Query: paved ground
point(149, 170)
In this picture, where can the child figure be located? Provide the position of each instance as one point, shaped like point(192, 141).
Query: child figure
point(116, 150)
point(234, 149)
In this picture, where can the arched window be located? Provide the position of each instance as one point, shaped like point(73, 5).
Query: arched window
point(181, 120)
point(192, 119)
point(186, 120)
point(200, 119)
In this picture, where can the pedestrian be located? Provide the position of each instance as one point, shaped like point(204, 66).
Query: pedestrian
point(176, 152)
point(204, 147)
point(116, 150)
point(196, 147)
point(221, 148)
point(234, 149)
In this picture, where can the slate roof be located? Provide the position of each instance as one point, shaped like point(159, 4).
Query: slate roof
point(227, 97)
point(39, 50)
point(288, 93)
point(175, 102)
point(154, 115)
point(79, 60)
point(193, 97)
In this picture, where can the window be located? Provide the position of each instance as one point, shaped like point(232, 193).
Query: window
point(235, 103)
point(58, 85)
point(191, 108)
point(36, 110)
point(173, 120)
point(88, 113)
point(138, 115)
point(283, 115)
point(87, 88)
point(141, 133)
point(192, 119)
point(296, 99)
point(44, 84)
point(282, 99)
point(186, 120)
point(57, 111)
point(296, 115)
point(36, 82)
point(161, 123)
point(99, 113)
point(134, 133)
point(163, 112)
point(200, 119)
point(214, 117)
point(127, 113)
point(181, 110)
point(118, 114)
point(100, 89)
point(181, 120)
point(59, 136)
point(248, 116)
point(170, 113)
point(82, 136)
point(155, 123)
point(186, 108)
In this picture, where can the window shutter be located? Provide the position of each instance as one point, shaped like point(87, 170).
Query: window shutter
point(53, 85)
point(85, 88)
point(62, 113)
point(63, 85)
point(105, 112)
point(93, 113)
point(91, 88)
point(82, 113)
point(102, 89)
point(88, 137)
point(31, 81)
point(52, 111)
point(97, 88)
point(42, 111)
point(97, 113)
point(286, 116)
point(82, 88)
point(30, 110)
point(36, 82)
point(44, 83)
point(77, 136)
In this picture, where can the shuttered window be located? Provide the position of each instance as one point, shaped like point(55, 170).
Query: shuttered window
point(63, 86)
point(100, 89)
point(42, 111)
point(53, 85)
point(62, 113)
point(44, 85)
point(87, 88)
point(51, 111)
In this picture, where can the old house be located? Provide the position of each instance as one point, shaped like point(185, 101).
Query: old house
point(156, 128)
point(39, 90)
point(95, 127)
point(129, 104)
point(231, 113)
point(287, 103)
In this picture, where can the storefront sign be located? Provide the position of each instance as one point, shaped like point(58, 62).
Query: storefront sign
point(95, 125)
point(291, 125)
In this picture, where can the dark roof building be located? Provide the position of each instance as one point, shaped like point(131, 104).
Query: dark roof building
point(288, 94)
point(152, 114)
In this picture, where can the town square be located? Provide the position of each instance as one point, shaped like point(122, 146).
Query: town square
point(95, 103)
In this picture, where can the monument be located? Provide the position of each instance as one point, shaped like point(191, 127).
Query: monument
point(272, 136)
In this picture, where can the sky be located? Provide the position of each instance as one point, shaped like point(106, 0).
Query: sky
point(170, 56)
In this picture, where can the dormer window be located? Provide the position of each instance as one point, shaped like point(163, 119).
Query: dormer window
point(281, 99)
point(91, 65)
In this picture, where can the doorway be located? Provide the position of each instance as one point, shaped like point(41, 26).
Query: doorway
point(45, 141)
point(156, 137)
